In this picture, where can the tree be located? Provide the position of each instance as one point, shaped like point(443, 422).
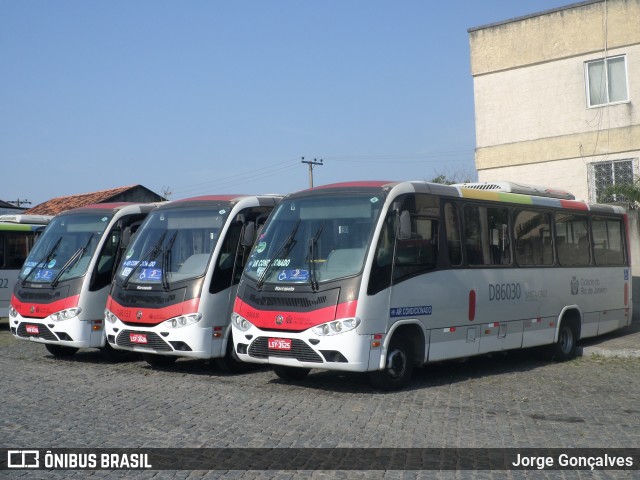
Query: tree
point(625, 194)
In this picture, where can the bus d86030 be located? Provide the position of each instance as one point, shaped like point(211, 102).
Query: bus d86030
point(381, 277)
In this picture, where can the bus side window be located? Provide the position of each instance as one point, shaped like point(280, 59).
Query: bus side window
point(452, 228)
point(2, 265)
point(533, 238)
point(575, 249)
point(608, 243)
point(223, 271)
point(487, 240)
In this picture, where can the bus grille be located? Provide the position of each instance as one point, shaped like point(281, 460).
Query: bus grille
point(286, 301)
point(153, 341)
point(43, 331)
point(299, 350)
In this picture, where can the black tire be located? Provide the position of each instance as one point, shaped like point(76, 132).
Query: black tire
point(113, 355)
point(231, 363)
point(156, 360)
point(61, 351)
point(398, 366)
point(290, 373)
point(567, 345)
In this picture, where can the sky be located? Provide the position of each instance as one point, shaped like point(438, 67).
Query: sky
point(204, 97)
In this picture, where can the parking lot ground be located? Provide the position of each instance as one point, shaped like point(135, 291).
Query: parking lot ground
point(501, 401)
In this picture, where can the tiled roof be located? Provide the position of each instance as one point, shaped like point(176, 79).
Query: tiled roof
point(61, 204)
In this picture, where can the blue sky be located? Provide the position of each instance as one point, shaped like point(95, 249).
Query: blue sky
point(205, 97)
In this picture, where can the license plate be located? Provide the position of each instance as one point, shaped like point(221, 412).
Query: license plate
point(139, 338)
point(280, 344)
point(33, 330)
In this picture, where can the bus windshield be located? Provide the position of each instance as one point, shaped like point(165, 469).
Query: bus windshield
point(315, 239)
point(173, 245)
point(65, 248)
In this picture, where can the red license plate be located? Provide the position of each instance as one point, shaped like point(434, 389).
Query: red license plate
point(33, 330)
point(280, 343)
point(139, 338)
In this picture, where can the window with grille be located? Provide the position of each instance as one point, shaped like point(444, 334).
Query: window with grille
point(606, 81)
point(603, 175)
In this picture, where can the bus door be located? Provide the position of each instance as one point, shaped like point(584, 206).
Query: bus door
point(229, 264)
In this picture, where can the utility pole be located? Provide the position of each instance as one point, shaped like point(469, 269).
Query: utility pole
point(18, 203)
point(311, 163)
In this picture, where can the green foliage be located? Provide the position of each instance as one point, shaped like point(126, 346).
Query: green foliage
point(625, 194)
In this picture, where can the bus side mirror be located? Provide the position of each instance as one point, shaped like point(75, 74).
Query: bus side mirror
point(248, 234)
point(404, 233)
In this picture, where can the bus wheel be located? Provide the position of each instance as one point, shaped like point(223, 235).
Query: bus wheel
point(290, 373)
point(398, 367)
point(231, 363)
point(61, 351)
point(566, 346)
point(113, 355)
point(159, 360)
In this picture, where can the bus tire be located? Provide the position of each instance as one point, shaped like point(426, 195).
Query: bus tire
point(61, 351)
point(113, 355)
point(567, 345)
point(156, 360)
point(398, 366)
point(290, 373)
point(231, 363)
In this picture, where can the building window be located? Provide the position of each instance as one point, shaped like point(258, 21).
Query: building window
point(606, 81)
point(603, 175)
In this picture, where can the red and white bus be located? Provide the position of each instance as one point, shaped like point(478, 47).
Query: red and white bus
point(173, 293)
point(17, 236)
point(61, 292)
point(381, 277)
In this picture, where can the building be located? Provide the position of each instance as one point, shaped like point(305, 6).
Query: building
point(7, 208)
point(556, 95)
point(132, 193)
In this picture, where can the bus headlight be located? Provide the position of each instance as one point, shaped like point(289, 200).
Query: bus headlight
point(66, 314)
point(13, 312)
point(109, 317)
point(240, 322)
point(183, 320)
point(336, 327)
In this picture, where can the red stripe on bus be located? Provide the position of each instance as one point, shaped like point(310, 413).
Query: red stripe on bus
point(42, 310)
point(574, 205)
point(293, 321)
point(152, 316)
point(472, 305)
point(626, 294)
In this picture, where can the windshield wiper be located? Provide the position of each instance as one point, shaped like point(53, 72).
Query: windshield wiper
point(72, 261)
point(43, 260)
point(284, 249)
point(150, 255)
point(313, 242)
point(166, 252)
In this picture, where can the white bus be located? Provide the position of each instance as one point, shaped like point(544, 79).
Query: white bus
point(17, 236)
point(380, 277)
point(173, 293)
point(61, 292)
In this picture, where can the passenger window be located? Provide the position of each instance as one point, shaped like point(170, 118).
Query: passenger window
point(2, 251)
point(418, 252)
point(572, 236)
point(452, 227)
point(533, 243)
point(608, 241)
point(486, 233)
